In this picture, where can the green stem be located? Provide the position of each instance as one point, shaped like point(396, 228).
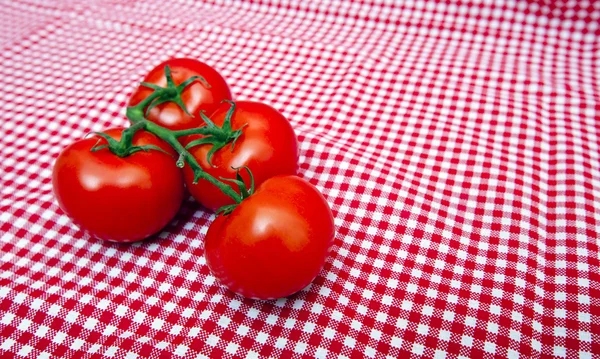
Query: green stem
point(127, 135)
point(135, 114)
point(191, 131)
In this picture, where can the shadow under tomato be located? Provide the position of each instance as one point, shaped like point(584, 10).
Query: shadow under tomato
point(189, 213)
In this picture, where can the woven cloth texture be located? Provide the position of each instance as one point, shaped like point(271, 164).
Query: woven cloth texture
point(457, 144)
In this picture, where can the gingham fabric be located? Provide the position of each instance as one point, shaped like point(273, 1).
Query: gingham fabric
point(458, 146)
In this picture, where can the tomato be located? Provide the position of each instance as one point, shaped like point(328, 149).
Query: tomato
point(274, 243)
point(121, 199)
point(268, 146)
point(196, 97)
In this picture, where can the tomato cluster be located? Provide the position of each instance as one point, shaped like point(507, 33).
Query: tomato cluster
point(126, 184)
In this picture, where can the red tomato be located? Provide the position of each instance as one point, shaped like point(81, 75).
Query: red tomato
point(268, 146)
point(274, 243)
point(196, 96)
point(118, 199)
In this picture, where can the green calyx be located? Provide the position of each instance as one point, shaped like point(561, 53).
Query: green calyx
point(245, 192)
point(124, 147)
point(170, 93)
point(137, 116)
point(218, 137)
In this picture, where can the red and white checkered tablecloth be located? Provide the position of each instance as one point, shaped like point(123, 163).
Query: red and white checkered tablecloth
point(457, 143)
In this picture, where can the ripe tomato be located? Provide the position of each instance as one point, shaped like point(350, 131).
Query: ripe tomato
point(121, 199)
point(268, 146)
point(196, 96)
point(274, 243)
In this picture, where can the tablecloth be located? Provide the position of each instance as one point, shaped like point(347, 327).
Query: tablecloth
point(456, 142)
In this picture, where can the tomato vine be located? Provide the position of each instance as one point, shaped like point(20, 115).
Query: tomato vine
point(217, 136)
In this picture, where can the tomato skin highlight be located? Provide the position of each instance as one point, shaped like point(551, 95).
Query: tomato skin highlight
point(275, 242)
point(118, 199)
point(268, 146)
point(196, 97)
